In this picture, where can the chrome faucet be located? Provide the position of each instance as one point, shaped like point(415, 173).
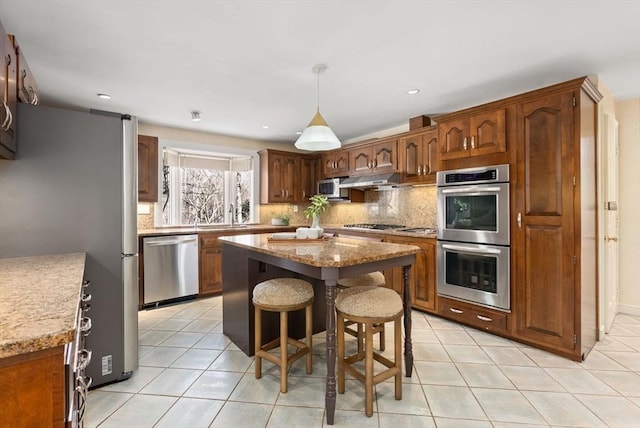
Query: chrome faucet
point(232, 211)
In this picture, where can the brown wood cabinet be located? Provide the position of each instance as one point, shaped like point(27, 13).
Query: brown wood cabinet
point(418, 156)
point(277, 176)
point(423, 273)
point(335, 163)
point(8, 97)
point(374, 158)
point(210, 262)
point(147, 168)
point(287, 177)
point(554, 219)
point(477, 134)
point(27, 87)
point(473, 315)
point(33, 386)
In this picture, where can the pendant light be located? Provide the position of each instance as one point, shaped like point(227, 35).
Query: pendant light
point(318, 136)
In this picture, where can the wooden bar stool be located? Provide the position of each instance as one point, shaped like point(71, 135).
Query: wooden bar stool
point(373, 279)
point(369, 306)
point(283, 295)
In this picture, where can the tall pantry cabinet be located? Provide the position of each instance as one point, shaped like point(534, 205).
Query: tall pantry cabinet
point(554, 218)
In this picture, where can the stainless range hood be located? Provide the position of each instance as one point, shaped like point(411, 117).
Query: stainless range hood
point(371, 181)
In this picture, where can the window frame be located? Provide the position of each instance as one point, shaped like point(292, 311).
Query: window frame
point(208, 150)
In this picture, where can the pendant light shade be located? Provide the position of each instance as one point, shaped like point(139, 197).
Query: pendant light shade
point(318, 136)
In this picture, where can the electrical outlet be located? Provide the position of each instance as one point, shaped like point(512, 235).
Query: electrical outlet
point(295, 208)
point(107, 365)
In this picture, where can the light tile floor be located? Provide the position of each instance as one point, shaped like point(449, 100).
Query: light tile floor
point(191, 375)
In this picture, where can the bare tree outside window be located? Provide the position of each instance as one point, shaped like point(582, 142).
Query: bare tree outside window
point(202, 196)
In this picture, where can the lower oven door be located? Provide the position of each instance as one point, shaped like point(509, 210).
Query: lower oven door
point(476, 273)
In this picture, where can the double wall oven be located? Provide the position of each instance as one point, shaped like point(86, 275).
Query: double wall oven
point(473, 235)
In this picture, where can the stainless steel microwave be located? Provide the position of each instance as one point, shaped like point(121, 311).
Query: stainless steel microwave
point(331, 189)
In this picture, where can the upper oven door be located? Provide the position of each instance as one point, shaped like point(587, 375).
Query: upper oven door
point(474, 213)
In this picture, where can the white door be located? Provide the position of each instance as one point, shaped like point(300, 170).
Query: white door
point(610, 264)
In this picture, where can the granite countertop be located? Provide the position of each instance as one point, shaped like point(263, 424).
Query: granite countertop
point(39, 301)
point(251, 228)
point(189, 230)
point(327, 252)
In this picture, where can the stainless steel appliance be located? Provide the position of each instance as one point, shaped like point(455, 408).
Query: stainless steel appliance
point(473, 259)
point(473, 205)
point(170, 267)
point(73, 188)
point(330, 188)
point(474, 272)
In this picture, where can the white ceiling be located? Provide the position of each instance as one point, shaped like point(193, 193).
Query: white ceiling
point(245, 64)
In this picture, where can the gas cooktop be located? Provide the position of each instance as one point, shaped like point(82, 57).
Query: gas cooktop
point(376, 226)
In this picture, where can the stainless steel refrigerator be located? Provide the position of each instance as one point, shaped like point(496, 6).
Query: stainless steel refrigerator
point(73, 188)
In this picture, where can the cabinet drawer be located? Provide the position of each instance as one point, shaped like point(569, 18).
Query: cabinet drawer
point(476, 316)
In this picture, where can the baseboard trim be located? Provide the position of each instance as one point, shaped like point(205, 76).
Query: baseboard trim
point(629, 310)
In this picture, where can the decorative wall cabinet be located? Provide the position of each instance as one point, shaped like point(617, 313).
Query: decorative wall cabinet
point(477, 134)
point(418, 156)
point(147, 168)
point(335, 163)
point(374, 158)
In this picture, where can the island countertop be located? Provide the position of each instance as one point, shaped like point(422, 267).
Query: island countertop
point(326, 252)
point(39, 301)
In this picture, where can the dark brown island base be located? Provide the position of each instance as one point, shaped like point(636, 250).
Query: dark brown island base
point(250, 259)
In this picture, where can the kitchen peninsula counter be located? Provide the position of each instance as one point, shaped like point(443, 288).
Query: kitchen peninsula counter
point(39, 302)
point(222, 229)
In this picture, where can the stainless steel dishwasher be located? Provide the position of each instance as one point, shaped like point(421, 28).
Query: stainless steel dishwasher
point(170, 267)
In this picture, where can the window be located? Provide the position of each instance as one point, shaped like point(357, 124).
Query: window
point(205, 189)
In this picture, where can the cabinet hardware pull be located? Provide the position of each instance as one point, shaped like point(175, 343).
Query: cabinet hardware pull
point(519, 220)
point(473, 141)
point(10, 119)
point(304, 193)
point(482, 318)
point(375, 163)
point(426, 169)
point(464, 143)
point(85, 326)
point(86, 283)
point(86, 298)
point(6, 116)
point(84, 357)
point(611, 238)
point(419, 169)
point(456, 311)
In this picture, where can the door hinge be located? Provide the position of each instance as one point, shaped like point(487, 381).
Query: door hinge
point(575, 339)
point(574, 101)
point(575, 259)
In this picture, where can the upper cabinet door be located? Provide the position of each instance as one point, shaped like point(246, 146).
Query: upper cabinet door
point(417, 156)
point(147, 168)
point(487, 133)
point(361, 160)
point(385, 156)
point(474, 135)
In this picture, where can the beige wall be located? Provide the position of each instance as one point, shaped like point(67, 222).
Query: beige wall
point(628, 116)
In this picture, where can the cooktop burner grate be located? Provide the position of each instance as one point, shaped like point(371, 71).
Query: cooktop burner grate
point(376, 226)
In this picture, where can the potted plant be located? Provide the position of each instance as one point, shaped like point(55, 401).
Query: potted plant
point(280, 220)
point(319, 204)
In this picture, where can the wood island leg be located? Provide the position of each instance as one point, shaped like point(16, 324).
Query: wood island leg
point(408, 346)
point(330, 390)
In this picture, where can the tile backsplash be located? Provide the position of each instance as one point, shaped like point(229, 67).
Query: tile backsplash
point(408, 206)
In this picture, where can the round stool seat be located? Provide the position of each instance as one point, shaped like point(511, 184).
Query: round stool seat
point(282, 292)
point(373, 279)
point(369, 302)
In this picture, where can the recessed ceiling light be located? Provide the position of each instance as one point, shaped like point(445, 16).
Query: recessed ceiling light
point(104, 96)
point(299, 133)
point(265, 126)
point(195, 116)
point(413, 91)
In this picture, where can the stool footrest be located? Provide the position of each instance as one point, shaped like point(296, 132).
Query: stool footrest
point(303, 350)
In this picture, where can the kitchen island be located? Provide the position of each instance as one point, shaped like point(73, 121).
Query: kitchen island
point(250, 259)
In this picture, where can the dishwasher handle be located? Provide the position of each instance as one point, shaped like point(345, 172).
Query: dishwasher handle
point(161, 242)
